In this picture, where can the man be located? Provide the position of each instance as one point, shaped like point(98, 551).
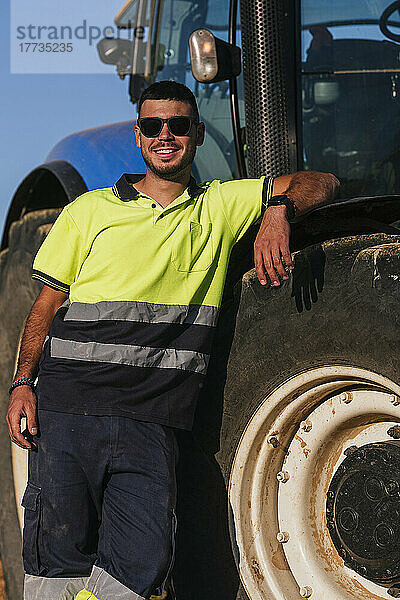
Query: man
point(123, 328)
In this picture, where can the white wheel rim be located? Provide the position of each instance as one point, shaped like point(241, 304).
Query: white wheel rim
point(277, 571)
point(20, 474)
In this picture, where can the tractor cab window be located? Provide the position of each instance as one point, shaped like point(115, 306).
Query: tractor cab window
point(351, 93)
point(216, 158)
point(162, 52)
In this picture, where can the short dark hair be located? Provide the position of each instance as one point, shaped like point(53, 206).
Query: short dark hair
point(169, 90)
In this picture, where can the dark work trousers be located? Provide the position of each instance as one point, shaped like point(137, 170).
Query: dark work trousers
point(99, 508)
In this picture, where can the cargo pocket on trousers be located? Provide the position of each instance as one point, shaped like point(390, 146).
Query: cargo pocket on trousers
point(31, 502)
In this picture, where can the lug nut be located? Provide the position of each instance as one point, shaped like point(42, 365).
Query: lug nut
point(306, 426)
point(273, 440)
point(282, 537)
point(282, 476)
point(346, 397)
point(395, 400)
point(394, 432)
point(306, 591)
point(394, 591)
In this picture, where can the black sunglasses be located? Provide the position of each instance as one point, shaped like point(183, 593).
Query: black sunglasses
point(152, 126)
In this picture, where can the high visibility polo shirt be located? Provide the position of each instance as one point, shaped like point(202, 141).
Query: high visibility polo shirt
point(145, 285)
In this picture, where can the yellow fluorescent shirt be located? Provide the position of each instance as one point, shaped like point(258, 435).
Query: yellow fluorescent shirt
point(103, 247)
point(145, 285)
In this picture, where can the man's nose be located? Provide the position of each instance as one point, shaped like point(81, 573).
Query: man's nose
point(165, 133)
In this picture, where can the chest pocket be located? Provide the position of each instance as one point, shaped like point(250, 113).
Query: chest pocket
point(193, 247)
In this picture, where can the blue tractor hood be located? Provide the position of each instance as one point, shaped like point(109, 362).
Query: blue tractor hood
point(102, 154)
point(87, 160)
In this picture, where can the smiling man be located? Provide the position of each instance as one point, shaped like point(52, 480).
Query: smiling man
point(123, 329)
point(165, 152)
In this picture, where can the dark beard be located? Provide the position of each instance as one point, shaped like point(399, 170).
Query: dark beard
point(170, 173)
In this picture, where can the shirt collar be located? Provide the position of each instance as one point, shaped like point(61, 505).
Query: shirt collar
point(125, 190)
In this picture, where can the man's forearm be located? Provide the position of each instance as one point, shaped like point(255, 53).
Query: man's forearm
point(36, 328)
point(23, 398)
point(307, 189)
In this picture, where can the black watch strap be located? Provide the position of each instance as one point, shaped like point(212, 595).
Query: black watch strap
point(288, 202)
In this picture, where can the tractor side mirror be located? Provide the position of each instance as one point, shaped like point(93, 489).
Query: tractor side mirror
point(118, 52)
point(213, 59)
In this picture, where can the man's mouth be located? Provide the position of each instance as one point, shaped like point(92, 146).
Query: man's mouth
point(165, 151)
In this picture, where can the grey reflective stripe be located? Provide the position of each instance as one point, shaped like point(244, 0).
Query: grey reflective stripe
point(106, 587)
point(144, 312)
point(52, 588)
point(137, 356)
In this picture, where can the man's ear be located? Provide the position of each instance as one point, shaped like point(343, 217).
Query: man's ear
point(200, 133)
point(137, 135)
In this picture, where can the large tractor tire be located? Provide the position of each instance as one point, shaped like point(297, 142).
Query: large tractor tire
point(17, 294)
point(312, 380)
point(300, 375)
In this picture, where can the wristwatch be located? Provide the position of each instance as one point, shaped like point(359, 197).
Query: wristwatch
point(288, 202)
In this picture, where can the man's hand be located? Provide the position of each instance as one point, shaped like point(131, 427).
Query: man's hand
point(307, 189)
point(272, 245)
point(22, 404)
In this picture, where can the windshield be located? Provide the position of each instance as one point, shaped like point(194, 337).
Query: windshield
point(351, 93)
point(163, 53)
point(216, 158)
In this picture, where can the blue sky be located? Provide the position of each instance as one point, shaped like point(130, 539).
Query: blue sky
point(37, 110)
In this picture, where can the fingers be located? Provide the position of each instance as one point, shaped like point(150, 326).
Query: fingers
point(287, 257)
point(275, 263)
point(31, 419)
point(14, 429)
point(264, 265)
point(22, 404)
point(260, 271)
point(278, 265)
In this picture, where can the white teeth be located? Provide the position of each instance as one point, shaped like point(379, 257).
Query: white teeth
point(165, 151)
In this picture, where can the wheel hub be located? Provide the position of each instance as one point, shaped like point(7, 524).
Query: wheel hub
point(363, 511)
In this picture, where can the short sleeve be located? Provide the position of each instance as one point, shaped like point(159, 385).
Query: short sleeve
point(244, 201)
point(59, 258)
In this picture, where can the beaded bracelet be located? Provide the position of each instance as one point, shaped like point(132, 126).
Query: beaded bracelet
point(22, 381)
